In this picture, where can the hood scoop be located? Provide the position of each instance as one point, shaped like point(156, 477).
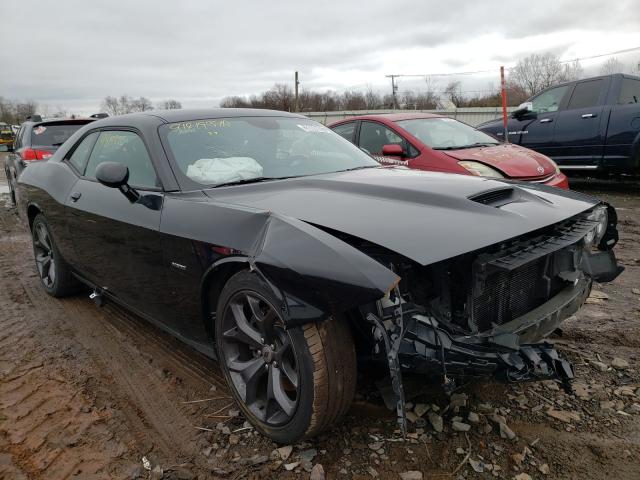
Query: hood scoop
point(496, 197)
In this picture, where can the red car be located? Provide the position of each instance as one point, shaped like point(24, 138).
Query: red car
point(433, 142)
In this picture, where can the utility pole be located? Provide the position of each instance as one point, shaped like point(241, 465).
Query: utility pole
point(296, 105)
point(503, 94)
point(394, 89)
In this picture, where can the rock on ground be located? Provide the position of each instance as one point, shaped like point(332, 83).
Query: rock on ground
point(411, 475)
point(619, 363)
point(317, 472)
point(436, 421)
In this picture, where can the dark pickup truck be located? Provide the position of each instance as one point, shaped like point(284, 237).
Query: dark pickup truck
point(590, 126)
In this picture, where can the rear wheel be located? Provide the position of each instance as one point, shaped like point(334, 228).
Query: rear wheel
point(290, 383)
point(55, 275)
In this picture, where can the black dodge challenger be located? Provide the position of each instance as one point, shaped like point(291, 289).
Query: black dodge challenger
point(268, 241)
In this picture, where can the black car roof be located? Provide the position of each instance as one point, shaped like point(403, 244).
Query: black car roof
point(183, 115)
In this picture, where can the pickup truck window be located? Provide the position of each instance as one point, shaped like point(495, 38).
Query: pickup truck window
point(629, 92)
point(586, 94)
point(549, 101)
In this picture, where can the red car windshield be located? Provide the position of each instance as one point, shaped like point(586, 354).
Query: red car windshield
point(446, 133)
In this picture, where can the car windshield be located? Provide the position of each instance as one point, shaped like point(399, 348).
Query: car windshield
point(221, 151)
point(446, 133)
point(53, 135)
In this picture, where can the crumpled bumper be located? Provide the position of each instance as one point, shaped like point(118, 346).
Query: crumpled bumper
point(509, 352)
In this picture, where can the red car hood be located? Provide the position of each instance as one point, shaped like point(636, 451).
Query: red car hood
point(512, 160)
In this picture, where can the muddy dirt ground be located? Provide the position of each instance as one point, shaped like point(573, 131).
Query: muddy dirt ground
point(87, 392)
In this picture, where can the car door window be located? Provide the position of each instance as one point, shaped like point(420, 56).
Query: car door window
point(345, 130)
point(629, 91)
point(373, 136)
point(586, 94)
point(78, 159)
point(126, 148)
point(550, 100)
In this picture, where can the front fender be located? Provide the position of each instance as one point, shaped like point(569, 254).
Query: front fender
point(316, 273)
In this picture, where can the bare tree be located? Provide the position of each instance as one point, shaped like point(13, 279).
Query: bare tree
point(388, 101)
point(280, 97)
point(453, 93)
point(429, 97)
point(234, 102)
point(372, 99)
point(111, 105)
point(16, 112)
point(613, 65)
point(125, 104)
point(353, 101)
point(141, 104)
point(572, 71)
point(7, 111)
point(540, 71)
point(170, 105)
point(25, 110)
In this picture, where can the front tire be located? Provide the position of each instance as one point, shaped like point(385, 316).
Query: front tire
point(55, 275)
point(290, 383)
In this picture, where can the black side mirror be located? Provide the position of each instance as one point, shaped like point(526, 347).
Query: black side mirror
point(116, 175)
point(524, 109)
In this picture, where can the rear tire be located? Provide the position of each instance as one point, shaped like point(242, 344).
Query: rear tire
point(318, 371)
point(55, 275)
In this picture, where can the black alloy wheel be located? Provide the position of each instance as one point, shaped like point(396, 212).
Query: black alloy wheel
point(55, 275)
point(259, 356)
point(45, 260)
point(290, 382)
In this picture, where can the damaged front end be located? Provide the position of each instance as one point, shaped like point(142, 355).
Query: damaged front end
point(486, 312)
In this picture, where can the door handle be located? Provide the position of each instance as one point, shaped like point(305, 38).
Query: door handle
point(546, 120)
point(590, 115)
point(75, 196)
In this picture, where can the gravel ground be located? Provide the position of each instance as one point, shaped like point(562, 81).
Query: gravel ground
point(88, 392)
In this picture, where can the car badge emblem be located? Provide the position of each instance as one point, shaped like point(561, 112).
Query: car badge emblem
point(540, 170)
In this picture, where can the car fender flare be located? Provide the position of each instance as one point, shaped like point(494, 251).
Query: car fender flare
point(31, 206)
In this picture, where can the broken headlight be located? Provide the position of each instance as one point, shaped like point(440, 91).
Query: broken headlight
point(480, 169)
point(599, 215)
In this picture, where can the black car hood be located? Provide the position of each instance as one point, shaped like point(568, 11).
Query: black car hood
point(424, 216)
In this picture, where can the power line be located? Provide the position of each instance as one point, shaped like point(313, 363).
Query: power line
point(486, 90)
point(441, 74)
point(627, 50)
point(492, 70)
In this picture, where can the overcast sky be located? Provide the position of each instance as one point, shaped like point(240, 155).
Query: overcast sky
point(71, 53)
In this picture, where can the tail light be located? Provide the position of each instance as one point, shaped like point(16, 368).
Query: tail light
point(29, 154)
